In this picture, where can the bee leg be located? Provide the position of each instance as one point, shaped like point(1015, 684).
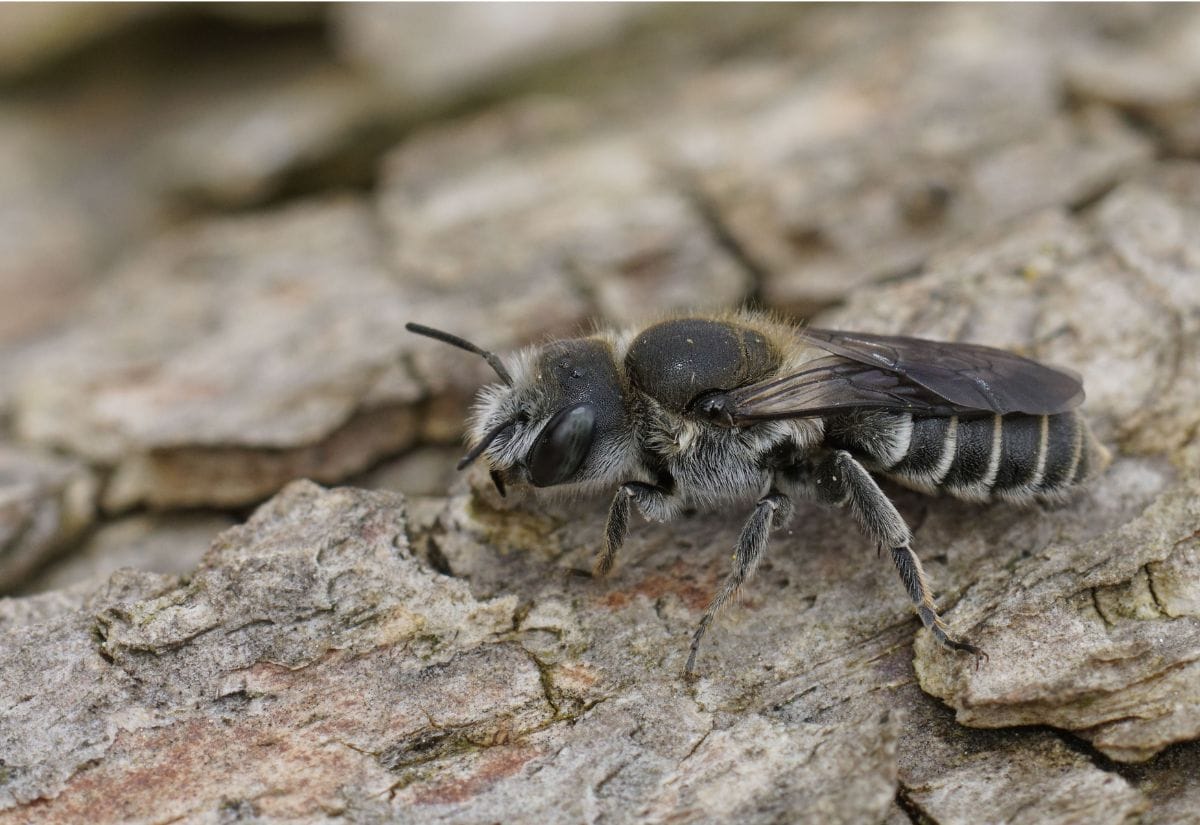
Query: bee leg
point(773, 510)
point(913, 576)
point(650, 500)
point(840, 479)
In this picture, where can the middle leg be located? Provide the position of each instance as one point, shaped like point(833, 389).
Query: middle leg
point(773, 510)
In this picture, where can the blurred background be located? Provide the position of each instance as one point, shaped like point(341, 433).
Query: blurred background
point(215, 220)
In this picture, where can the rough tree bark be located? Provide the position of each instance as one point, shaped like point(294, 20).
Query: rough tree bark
point(1022, 177)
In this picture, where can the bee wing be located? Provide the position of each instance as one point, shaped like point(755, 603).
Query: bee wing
point(835, 384)
point(885, 372)
point(969, 376)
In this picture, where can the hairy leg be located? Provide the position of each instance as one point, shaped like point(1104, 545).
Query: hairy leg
point(840, 479)
point(772, 511)
point(651, 500)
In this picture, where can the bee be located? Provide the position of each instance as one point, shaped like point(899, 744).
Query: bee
point(697, 412)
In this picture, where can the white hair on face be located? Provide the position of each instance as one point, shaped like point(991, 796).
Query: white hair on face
point(613, 457)
point(497, 403)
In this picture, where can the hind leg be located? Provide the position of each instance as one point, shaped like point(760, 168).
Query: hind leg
point(842, 480)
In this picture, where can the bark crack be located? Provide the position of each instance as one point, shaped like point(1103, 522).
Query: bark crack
point(692, 752)
point(906, 803)
point(724, 236)
point(1094, 593)
point(1158, 603)
point(1087, 750)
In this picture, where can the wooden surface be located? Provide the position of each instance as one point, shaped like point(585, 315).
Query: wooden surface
point(214, 225)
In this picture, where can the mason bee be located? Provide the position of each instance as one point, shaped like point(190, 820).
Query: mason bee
point(702, 411)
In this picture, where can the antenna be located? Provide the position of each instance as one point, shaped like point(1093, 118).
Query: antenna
point(484, 443)
point(462, 343)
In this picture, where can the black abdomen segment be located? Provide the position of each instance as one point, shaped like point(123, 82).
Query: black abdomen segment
point(1016, 457)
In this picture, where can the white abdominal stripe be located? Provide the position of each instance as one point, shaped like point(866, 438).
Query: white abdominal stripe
point(1015, 457)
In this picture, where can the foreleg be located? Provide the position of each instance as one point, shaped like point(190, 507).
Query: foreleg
point(651, 500)
point(772, 511)
point(840, 479)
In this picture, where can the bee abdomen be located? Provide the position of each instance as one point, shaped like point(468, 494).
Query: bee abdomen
point(1071, 454)
point(1016, 457)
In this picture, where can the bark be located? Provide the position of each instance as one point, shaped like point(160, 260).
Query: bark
point(230, 320)
point(45, 504)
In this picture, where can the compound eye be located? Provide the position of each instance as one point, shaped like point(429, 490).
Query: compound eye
point(562, 445)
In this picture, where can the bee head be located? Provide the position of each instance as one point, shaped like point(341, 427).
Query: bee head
point(557, 418)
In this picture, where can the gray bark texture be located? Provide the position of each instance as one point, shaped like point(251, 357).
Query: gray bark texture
point(244, 582)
